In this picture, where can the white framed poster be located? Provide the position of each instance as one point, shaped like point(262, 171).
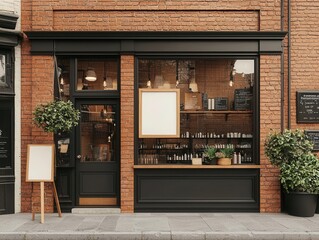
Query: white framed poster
point(159, 113)
point(40, 163)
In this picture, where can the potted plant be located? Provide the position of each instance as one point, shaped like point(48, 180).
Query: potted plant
point(299, 170)
point(210, 155)
point(56, 116)
point(224, 156)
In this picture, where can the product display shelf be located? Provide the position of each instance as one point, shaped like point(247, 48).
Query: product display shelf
point(217, 112)
point(181, 166)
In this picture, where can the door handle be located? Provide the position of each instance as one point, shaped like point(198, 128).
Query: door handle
point(79, 156)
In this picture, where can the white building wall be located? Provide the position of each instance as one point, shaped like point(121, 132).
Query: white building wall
point(14, 6)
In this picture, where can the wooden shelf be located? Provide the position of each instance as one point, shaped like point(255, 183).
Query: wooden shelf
point(172, 166)
point(216, 112)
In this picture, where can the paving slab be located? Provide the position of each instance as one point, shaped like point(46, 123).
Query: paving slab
point(156, 226)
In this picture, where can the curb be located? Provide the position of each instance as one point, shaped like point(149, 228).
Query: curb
point(162, 236)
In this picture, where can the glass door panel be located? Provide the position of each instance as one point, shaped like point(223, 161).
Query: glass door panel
point(98, 133)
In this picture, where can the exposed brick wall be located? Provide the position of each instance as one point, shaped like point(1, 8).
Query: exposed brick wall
point(36, 88)
point(304, 53)
point(138, 15)
point(159, 21)
point(269, 120)
point(127, 133)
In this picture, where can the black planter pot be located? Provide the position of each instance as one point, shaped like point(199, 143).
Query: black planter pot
point(317, 209)
point(301, 204)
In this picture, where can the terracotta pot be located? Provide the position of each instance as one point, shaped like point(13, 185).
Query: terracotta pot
point(224, 161)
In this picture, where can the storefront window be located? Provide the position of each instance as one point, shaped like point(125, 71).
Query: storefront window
point(96, 75)
point(6, 81)
point(216, 108)
point(5, 135)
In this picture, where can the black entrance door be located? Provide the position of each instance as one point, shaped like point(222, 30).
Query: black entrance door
point(97, 153)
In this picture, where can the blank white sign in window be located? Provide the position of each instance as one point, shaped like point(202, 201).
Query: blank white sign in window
point(159, 113)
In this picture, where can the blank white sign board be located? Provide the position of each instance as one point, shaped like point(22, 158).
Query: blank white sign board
point(159, 114)
point(40, 163)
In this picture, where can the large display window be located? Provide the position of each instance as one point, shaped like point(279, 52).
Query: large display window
point(217, 110)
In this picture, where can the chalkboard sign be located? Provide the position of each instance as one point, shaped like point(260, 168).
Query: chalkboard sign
point(221, 103)
point(243, 99)
point(313, 135)
point(308, 107)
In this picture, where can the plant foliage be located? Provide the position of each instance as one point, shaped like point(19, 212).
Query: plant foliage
point(301, 175)
point(56, 116)
point(291, 152)
point(225, 153)
point(210, 152)
point(286, 146)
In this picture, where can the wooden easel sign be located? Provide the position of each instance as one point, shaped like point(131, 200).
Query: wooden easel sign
point(40, 168)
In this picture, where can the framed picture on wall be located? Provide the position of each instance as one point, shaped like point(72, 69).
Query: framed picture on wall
point(159, 113)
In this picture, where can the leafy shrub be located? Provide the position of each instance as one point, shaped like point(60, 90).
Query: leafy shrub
point(56, 116)
point(287, 146)
point(301, 175)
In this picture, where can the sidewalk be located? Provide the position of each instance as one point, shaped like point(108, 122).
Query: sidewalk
point(151, 226)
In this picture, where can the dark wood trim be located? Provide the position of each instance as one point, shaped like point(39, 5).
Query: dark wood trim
point(180, 35)
point(101, 43)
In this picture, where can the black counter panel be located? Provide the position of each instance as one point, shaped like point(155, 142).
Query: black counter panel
point(191, 190)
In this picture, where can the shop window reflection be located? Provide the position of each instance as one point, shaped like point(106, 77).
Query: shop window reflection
point(98, 134)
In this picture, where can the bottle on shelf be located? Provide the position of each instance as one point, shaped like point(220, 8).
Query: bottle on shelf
point(239, 158)
point(235, 158)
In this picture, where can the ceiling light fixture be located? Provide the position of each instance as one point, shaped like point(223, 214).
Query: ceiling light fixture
point(90, 75)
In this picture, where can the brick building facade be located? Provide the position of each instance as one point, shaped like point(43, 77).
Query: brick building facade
point(280, 74)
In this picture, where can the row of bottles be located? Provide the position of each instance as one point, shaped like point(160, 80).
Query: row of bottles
point(186, 158)
point(219, 146)
point(196, 146)
point(241, 157)
point(214, 135)
point(163, 146)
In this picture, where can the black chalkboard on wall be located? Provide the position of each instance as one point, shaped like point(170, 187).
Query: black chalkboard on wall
point(313, 135)
point(243, 99)
point(308, 107)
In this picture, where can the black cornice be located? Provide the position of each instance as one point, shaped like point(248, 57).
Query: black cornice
point(174, 43)
point(8, 20)
point(94, 35)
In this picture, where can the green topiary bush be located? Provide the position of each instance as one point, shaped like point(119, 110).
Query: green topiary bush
point(287, 146)
point(56, 116)
point(301, 175)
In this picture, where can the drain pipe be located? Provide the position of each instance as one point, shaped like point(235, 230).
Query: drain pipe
point(282, 73)
point(289, 64)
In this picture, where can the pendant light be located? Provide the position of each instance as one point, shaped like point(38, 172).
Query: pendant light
point(232, 74)
point(107, 82)
point(177, 75)
point(90, 75)
point(192, 83)
point(149, 83)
